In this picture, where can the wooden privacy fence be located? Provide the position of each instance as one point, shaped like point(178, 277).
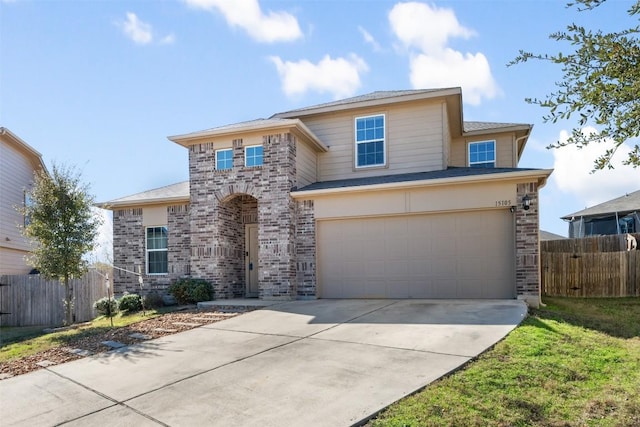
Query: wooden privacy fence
point(590, 267)
point(32, 300)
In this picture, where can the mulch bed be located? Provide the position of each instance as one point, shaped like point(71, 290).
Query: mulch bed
point(157, 327)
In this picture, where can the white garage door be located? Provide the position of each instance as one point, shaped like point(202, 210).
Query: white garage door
point(453, 255)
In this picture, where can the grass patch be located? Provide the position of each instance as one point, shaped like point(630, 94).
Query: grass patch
point(575, 362)
point(24, 341)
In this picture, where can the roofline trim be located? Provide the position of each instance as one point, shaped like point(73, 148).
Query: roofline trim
point(189, 139)
point(540, 174)
point(370, 103)
point(22, 144)
point(514, 128)
point(145, 202)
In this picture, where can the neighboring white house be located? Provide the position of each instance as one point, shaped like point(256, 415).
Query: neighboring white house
point(18, 163)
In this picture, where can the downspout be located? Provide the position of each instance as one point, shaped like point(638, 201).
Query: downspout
point(515, 149)
point(617, 223)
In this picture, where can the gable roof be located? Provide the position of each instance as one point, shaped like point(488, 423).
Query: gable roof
point(628, 203)
point(34, 156)
point(170, 193)
point(295, 125)
point(378, 97)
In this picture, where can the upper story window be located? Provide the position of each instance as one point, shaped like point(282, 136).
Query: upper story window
point(224, 159)
point(157, 243)
point(370, 149)
point(482, 154)
point(253, 155)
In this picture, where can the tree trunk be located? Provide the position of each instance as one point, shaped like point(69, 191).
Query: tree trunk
point(68, 302)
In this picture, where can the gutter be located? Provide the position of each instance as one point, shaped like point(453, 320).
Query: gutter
point(138, 203)
point(541, 174)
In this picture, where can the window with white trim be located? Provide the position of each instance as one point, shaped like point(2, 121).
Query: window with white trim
point(482, 154)
point(370, 141)
point(224, 159)
point(253, 155)
point(157, 260)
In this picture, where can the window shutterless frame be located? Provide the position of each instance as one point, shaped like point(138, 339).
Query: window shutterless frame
point(481, 154)
point(253, 155)
point(370, 141)
point(224, 159)
point(156, 249)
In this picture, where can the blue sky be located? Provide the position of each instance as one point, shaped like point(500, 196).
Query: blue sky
point(101, 84)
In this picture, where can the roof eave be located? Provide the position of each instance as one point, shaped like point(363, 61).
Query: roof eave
point(540, 174)
point(193, 138)
point(370, 103)
point(520, 127)
point(115, 204)
point(26, 147)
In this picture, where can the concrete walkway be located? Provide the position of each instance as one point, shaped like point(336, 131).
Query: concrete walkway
point(311, 363)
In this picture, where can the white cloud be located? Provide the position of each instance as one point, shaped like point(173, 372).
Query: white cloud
point(573, 166)
point(168, 39)
point(263, 27)
point(141, 32)
point(424, 31)
point(452, 68)
point(368, 38)
point(138, 31)
point(340, 76)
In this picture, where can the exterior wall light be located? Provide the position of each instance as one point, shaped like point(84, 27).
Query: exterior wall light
point(526, 202)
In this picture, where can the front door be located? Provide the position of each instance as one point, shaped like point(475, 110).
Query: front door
point(251, 259)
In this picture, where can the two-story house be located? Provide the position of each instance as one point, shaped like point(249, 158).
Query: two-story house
point(385, 195)
point(18, 163)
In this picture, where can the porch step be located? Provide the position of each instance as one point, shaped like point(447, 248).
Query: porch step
point(236, 305)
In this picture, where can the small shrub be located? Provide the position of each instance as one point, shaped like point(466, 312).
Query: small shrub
point(191, 291)
point(106, 306)
point(130, 303)
point(153, 300)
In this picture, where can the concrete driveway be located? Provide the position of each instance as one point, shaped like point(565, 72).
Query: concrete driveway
point(311, 363)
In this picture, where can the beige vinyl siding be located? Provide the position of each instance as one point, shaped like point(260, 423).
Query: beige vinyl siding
point(504, 150)
point(414, 141)
point(446, 135)
point(16, 175)
point(12, 261)
point(306, 165)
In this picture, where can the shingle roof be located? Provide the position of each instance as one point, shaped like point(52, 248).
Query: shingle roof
point(546, 235)
point(245, 124)
point(451, 172)
point(480, 126)
point(374, 96)
point(628, 203)
point(177, 191)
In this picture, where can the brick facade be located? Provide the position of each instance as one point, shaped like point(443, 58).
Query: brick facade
point(129, 250)
point(528, 246)
point(223, 202)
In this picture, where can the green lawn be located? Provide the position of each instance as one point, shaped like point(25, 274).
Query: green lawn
point(575, 362)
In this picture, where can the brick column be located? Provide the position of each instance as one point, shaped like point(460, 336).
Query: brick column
point(276, 219)
point(306, 250)
point(528, 246)
point(128, 249)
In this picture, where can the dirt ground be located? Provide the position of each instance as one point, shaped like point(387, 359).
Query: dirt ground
point(83, 346)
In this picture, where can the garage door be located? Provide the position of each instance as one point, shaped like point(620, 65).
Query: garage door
point(453, 255)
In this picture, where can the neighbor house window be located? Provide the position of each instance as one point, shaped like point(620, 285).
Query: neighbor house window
point(157, 262)
point(224, 159)
point(482, 154)
point(370, 150)
point(253, 155)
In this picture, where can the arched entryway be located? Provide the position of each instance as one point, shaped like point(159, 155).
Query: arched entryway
point(237, 257)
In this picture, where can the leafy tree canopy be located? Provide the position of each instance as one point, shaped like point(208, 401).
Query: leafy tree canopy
point(600, 85)
point(62, 223)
